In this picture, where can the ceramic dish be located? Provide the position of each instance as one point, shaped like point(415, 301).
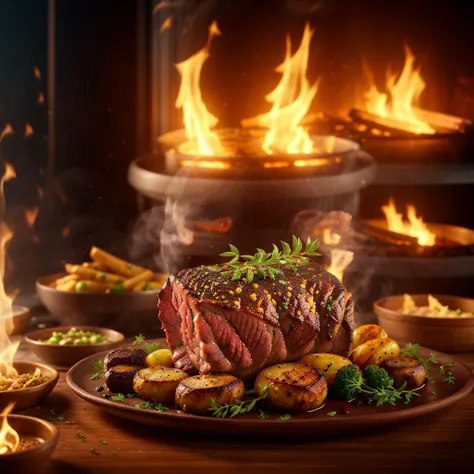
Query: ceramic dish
point(129, 313)
point(315, 424)
point(31, 459)
point(67, 355)
point(444, 334)
point(30, 397)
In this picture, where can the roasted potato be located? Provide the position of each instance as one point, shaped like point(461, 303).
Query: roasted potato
point(158, 384)
point(292, 387)
point(327, 364)
point(405, 369)
point(368, 332)
point(119, 378)
point(125, 356)
point(374, 352)
point(193, 393)
point(159, 358)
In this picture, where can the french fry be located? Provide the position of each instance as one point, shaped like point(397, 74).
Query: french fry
point(139, 287)
point(68, 286)
point(94, 275)
point(90, 286)
point(131, 282)
point(115, 264)
point(66, 279)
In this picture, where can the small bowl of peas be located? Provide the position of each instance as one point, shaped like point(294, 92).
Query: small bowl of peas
point(65, 345)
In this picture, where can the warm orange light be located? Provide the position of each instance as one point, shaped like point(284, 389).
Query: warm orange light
point(330, 237)
point(220, 165)
point(198, 121)
point(290, 101)
point(9, 438)
point(37, 73)
point(403, 95)
point(31, 215)
point(415, 227)
point(167, 24)
point(28, 130)
point(340, 259)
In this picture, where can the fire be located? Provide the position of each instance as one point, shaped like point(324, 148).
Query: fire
point(31, 215)
point(9, 438)
point(198, 121)
point(414, 227)
point(404, 93)
point(290, 101)
point(7, 348)
point(330, 237)
point(37, 73)
point(167, 24)
point(28, 130)
point(40, 98)
point(340, 259)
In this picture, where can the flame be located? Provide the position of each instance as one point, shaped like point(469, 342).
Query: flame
point(340, 260)
point(9, 438)
point(31, 215)
point(291, 100)
point(404, 93)
point(167, 24)
point(37, 73)
point(415, 226)
point(7, 348)
point(40, 98)
point(198, 121)
point(330, 237)
point(28, 130)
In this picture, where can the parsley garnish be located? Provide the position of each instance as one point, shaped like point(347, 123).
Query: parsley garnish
point(152, 406)
point(119, 288)
point(98, 366)
point(138, 339)
point(104, 441)
point(237, 408)
point(262, 415)
point(331, 413)
point(82, 437)
point(284, 417)
point(151, 347)
point(94, 451)
point(55, 417)
point(450, 378)
point(120, 397)
point(263, 264)
point(442, 368)
point(103, 277)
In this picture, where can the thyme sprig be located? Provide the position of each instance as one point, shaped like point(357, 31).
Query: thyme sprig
point(264, 264)
point(237, 408)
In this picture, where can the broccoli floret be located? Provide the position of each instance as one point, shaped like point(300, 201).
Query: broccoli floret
point(377, 377)
point(348, 382)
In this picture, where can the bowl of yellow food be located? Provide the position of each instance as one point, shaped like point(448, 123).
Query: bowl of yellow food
point(106, 292)
point(441, 322)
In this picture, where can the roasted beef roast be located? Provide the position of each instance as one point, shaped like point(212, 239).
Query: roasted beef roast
point(214, 324)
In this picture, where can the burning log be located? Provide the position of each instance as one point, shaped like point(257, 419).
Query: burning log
point(384, 235)
point(441, 121)
point(216, 226)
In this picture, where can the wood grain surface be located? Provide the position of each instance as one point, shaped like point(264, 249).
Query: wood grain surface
point(439, 443)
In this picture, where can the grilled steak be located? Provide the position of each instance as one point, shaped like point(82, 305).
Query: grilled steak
point(214, 324)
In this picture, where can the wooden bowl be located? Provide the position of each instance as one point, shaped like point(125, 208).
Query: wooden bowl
point(21, 317)
point(129, 313)
point(443, 334)
point(30, 397)
point(35, 458)
point(66, 356)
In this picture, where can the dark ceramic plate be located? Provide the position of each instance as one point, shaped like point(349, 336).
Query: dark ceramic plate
point(315, 424)
point(65, 356)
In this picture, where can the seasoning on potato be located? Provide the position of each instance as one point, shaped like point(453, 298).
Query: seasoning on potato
point(374, 352)
point(107, 274)
point(327, 364)
point(368, 332)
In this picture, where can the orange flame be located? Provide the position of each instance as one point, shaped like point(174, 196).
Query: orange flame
point(415, 227)
point(340, 259)
point(9, 438)
point(28, 130)
point(404, 94)
point(40, 98)
point(7, 348)
point(198, 121)
point(31, 215)
point(167, 24)
point(37, 73)
point(291, 100)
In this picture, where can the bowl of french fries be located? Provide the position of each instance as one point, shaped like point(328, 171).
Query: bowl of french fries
point(107, 291)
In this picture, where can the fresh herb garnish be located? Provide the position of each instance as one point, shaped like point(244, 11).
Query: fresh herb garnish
point(131, 395)
point(94, 451)
point(138, 339)
point(442, 368)
point(264, 264)
point(119, 288)
point(98, 366)
point(331, 413)
point(251, 392)
point(82, 437)
point(152, 406)
point(104, 441)
point(237, 408)
point(55, 417)
point(146, 286)
point(151, 347)
point(413, 351)
point(120, 397)
point(103, 277)
point(433, 393)
point(262, 415)
point(284, 417)
point(433, 358)
point(450, 378)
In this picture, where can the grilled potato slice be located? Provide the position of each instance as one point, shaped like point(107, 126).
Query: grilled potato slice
point(193, 394)
point(374, 352)
point(405, 369)
point(124, 356)
point(368, 332)
point(119, 378)
point(327, 364)
point(161, 357)
point(158, 384)
point(292, 387)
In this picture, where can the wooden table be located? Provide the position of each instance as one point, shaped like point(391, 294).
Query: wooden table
point(442, 442)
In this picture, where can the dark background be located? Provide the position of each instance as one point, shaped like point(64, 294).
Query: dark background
point(115, 73)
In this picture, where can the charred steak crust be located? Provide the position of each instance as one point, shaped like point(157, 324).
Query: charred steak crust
point(214, 324)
